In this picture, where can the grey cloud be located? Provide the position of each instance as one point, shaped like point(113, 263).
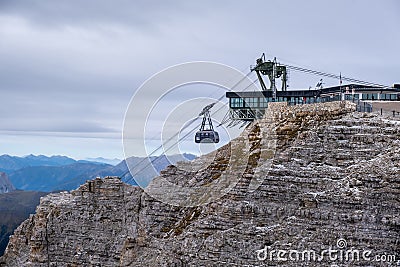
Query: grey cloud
point(76, 12)
point(72, 65)
point(54, 124)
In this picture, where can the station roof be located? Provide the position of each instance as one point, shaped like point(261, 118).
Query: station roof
point(315, 92)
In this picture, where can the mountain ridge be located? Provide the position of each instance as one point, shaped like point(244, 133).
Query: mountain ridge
point(114, 161)
point(12, 163)
point(51, 178)
point(69, 176)
point(315, 175)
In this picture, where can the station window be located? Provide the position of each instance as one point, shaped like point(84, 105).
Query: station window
point(263, 102)
point(369, 96)
point(384, 96)
point(388, 96)
point(348, 96)
point(251, 102)
point(236, 102)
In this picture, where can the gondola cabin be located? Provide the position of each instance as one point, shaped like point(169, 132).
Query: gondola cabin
point(206, 133)
point(207, 136)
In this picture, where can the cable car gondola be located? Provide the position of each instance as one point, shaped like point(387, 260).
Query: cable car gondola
point(206, 134)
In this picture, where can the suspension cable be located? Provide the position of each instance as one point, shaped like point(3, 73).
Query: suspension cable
point(176, 134)
point(334, 76)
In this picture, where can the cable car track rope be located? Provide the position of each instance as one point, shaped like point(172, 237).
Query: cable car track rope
point(295, 68)
point(334, 76)
point(176, 134)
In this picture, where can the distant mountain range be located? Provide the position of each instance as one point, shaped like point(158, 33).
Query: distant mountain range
point(42, 173)
point(12, 163)
point(103, 160)
point(143, 168)
point(51, 178)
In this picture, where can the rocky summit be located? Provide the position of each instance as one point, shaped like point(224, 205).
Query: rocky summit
point(308, 185)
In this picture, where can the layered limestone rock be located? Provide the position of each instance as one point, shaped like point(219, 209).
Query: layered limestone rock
point(305, 179)
point(87, 226)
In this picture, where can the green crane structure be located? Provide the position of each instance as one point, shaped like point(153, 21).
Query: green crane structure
point(273, 70)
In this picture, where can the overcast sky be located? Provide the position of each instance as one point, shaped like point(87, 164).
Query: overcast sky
point(68, 68)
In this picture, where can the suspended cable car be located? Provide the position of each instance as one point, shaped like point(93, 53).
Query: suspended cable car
point(206, 134)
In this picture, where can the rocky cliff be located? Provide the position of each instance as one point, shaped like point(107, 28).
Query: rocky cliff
point(5, 184)
point(311, 185)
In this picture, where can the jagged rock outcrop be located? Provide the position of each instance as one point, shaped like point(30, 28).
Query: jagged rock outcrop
point(86, 226)
point(313, 175)
point(5, 184)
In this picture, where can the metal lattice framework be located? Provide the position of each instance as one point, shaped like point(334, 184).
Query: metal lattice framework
point(206, 123)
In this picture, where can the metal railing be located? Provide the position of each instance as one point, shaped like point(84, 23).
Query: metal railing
point(251, 113)
point(361, 105)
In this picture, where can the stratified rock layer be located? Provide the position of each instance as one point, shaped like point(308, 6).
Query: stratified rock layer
point(85, 227)
point(314, 174)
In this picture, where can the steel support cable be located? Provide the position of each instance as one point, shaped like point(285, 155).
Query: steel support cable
point(71, 181)
point(166, 150)
point(154, 137)
point(334, 76)
point(186, 135)
point(308, 69)
point(176, 134)
point(182, 138)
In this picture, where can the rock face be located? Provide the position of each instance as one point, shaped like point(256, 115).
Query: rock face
point(5, 184)
point(316, 178)
point(86, 226)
